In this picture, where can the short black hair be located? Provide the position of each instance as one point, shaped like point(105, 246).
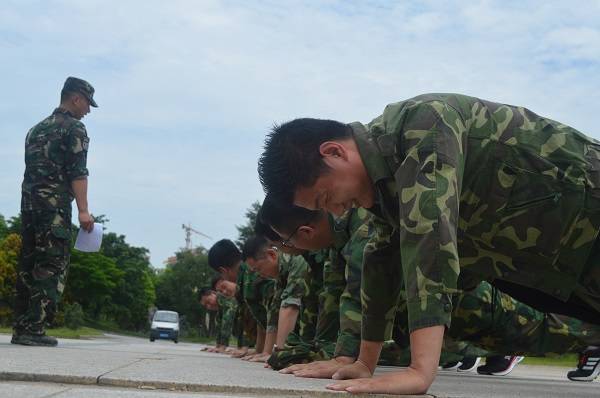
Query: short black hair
point(254, 247)
point(215, 280)
point(264, 229)
point(225, 254)
point(287, 217)
point(204, 291)
point(291, 156)
point(65, 95)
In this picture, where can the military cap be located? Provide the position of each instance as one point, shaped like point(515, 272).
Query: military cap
point(75, 85)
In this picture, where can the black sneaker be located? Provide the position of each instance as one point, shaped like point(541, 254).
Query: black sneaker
point(34, 340)
point(588, 367)
point(451, 365)
point(499, 365)
point(469, 364)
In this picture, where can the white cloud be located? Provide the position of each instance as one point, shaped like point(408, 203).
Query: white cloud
point(187, 89)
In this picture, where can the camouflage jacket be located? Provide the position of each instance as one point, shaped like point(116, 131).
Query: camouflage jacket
point(351, 234)
point(311, 305)
point(55, 155)
point(226, 315)
point(290, 287)
point(527, 188)
point(255, 292)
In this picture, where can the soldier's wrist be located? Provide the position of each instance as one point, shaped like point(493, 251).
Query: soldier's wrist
point(344, 360)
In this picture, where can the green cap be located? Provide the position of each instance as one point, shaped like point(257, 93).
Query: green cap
point(75, 85)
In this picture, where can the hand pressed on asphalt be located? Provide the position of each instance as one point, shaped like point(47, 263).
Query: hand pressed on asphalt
point(357, 370)
point(318, 369)
point(409, 381)
point(260, 358)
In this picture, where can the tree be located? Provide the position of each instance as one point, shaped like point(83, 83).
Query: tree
point(3, 227)
point(247, 230)
point(11, 226)
point(92, 282)
point(134, 293)
point(177, 287)
point(10, 247)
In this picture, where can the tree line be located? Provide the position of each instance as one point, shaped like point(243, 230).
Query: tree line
point(118, 285)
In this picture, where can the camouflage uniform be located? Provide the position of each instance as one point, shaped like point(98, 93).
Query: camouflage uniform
point(253, 294)
point(292, 289)
point(338, 329)
point(226, 315)
point(319, 319)
point(55, 155)
point(529, 198)
point(487, 322)
point(351, 234)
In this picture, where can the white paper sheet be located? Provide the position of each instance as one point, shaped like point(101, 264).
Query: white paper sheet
point(89, 241)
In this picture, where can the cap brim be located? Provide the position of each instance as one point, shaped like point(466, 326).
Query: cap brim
point(93, 103)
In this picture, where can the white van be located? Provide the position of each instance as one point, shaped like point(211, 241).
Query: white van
point(165, 325)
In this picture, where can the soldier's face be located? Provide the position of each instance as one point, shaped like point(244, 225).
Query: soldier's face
point(266, 264)
point(316, 236)
point(209, 301)
point(81, 106)
point(345, 185)
point(226, 288)
point(230, 273)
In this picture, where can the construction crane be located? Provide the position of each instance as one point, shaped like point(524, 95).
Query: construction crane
point(188, 235)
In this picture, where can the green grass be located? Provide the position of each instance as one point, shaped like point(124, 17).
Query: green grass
point(563, 360)
point(66, 333)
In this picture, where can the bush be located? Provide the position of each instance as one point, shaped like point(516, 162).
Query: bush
point(73, 316)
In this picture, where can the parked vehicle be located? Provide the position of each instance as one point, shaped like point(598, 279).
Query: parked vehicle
point(165, 325)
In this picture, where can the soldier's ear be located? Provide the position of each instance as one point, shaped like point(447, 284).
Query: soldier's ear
point(272, 253)
point(306, 231)
point(333, 149)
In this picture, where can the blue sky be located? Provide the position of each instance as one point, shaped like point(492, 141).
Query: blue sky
point(188, 89)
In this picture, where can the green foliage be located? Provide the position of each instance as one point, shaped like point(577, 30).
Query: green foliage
point(11, 226)
point(247, 230)
point(73, 316)
point(10, 247)
point(3, 227)
point(92, 282)
point(177, 287)
point(134, 294)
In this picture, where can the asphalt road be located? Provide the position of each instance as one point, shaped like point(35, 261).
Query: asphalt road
point(117, 366)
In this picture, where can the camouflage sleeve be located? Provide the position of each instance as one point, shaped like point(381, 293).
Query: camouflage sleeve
point(328, 321)
point(228, 311)
point(381, 283)
point(239, 323)
point(348, 342)
point(296, 286)
point(273, 311)
point(76, 155)
point(428, 183)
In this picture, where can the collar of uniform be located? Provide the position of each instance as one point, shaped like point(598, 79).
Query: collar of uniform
point(62, 111)
point(339, 229)
point(369, 152)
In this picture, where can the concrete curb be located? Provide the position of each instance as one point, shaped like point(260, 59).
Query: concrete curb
point(185, 387)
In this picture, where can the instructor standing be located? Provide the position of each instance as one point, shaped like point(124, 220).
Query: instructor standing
point(55, 173)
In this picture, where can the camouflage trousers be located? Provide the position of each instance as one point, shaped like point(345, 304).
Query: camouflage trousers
point(42, 268)
point(297, 350)
point(487, 322)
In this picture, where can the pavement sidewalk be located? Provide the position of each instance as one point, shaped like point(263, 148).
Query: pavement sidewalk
point(127, 362)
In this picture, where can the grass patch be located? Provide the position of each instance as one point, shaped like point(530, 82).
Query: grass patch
point(569, 360)
point(112, 327)
point(198, 339)
point(66, 333)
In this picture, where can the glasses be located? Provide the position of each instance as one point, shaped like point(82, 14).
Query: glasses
point(287, 242)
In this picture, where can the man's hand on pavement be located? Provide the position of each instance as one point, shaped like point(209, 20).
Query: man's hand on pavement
point(318, 369)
